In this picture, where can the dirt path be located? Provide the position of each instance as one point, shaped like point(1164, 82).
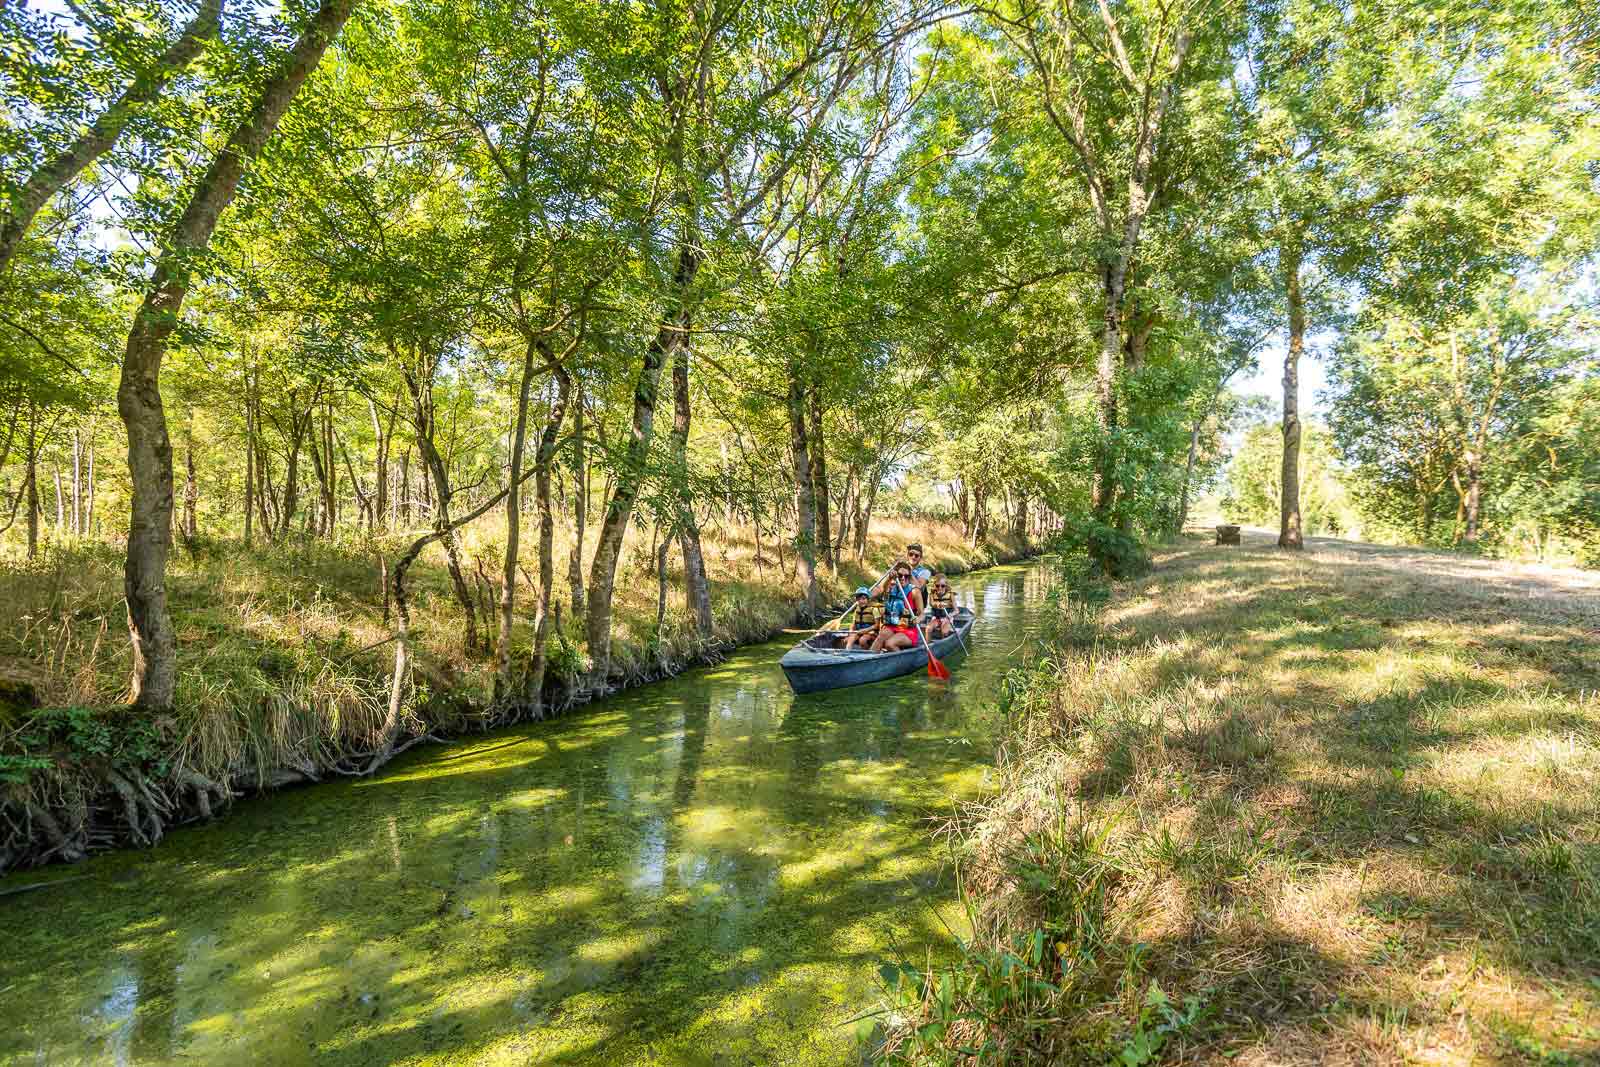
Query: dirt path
point(1524, 589)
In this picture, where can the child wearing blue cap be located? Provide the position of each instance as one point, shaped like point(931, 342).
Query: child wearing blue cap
point(864, 617)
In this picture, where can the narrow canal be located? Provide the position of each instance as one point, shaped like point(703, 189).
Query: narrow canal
point(705, 871)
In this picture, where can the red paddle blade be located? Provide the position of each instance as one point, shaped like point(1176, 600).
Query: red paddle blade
point(936, 669)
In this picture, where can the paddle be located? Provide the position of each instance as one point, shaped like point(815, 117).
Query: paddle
point(936, 669)
point(834, 622)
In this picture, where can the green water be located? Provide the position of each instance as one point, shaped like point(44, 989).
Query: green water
point(706, 871)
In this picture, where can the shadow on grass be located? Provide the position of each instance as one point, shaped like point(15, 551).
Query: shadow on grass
point(1358, 808)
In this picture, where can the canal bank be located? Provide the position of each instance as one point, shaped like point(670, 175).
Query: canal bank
point(704, 870)
point(287, 674)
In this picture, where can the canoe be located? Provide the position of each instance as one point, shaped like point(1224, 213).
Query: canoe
point(817, 663)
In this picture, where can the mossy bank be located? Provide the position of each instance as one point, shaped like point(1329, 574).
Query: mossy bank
point(285, 667)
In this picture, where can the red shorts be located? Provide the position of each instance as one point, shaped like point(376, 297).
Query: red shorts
point(905, 631)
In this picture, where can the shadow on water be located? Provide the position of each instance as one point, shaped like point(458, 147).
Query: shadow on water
point(708, 870)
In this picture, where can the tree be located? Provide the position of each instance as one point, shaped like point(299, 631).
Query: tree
point(139, 391)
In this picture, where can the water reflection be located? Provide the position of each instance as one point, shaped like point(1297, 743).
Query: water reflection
point(707, 868)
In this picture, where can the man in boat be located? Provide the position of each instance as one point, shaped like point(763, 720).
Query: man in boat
point(902, 603)
point(865, 618)
point(941, 607)
point(920, 572)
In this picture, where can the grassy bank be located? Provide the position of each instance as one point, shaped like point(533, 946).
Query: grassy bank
point(284, 667)
point(1262, 808)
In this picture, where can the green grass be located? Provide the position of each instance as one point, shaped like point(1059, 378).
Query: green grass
point(1330, 810)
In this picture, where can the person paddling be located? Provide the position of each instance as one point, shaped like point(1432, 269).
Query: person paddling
point(902, 603)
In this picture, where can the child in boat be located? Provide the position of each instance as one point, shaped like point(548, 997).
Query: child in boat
point(864, 619)
point(941, 607)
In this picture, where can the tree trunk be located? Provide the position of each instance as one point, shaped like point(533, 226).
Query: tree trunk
point(330, 467)
point(249, 457)
point(980, 516)
point(1182, 518)
point(435, 472)
point(30, 477)
point(508, 575)
point(191, 488)
point(405, 487)
point(1289, 535)
point(77, 484)
point(61, 498)
point(322, 461)
point(543, 461)
point(139, 390)
point(1473, 497)
point(381, 431)
point(291, 477)
point(864, 515)
point(817, 449)
point(88, 496)
point(628, 481)
point(805, 540)
point(55, 174)
point(847, 512)
point(697, 588)
point(580, 509)
point(1103, 491)
point(964, 509)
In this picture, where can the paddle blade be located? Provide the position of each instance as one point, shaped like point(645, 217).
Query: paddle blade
point(937, 669)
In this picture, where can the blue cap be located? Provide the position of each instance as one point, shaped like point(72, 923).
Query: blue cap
point(863, 591)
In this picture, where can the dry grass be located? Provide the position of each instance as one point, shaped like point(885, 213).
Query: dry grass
point(1349, 805)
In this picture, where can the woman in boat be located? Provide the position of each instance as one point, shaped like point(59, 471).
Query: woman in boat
point(941, 607)
point(902, 603)
point(865, 617)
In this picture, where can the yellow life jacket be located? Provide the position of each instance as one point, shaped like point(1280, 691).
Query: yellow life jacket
point(865, 617)
point(945, 600)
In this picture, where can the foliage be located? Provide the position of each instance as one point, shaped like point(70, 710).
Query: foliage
point(1255, 474)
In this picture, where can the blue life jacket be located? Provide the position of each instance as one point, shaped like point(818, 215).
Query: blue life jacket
point(896, 608)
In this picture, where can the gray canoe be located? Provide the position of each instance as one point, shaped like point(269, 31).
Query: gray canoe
point(815, 664)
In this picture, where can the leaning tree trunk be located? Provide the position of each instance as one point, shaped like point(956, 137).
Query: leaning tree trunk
point(805, 540)
point(543, 461)
point(155, 673)
point(439, 477)
point(1289, 535)
point(697, 588)
point(54, 175)
point(630, 479)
